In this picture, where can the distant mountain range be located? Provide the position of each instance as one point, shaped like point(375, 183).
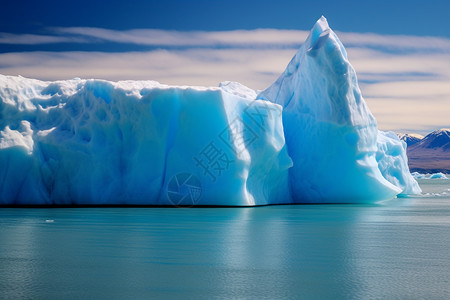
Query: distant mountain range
point(410, 138)
point(430, 153)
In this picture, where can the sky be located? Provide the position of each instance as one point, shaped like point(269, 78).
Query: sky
point(399, 49)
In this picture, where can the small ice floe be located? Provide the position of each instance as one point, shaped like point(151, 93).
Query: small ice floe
point(434, 195)
point(439, 175)
point(49, 221)
point(417, 175)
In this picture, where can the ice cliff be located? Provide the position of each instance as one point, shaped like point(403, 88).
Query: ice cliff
point(99, 142)
point(307, 138)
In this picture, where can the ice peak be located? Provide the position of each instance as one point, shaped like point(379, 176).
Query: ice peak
point(321, 25)
point(323, 109)
point(318, 35)
point(321, 62)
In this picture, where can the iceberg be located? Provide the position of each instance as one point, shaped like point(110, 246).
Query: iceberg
point(438, 175)
point(308, 138)
point(330, 132)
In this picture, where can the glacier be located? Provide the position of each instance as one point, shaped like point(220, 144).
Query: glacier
point(308, 138)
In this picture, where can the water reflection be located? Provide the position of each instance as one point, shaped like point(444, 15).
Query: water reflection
point(324, 251)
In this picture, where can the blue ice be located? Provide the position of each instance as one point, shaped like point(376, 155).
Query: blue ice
point(308, 138)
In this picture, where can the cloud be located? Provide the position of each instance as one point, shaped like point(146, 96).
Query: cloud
point(233, 38)
point(402, 115)
point(155, 37)
point(367, 61)
point(421, 90)
point(180, 67)
point(396, 42)
point(35, 39)
point(405, 79)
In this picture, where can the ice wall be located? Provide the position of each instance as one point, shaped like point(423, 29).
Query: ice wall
point(100, 142)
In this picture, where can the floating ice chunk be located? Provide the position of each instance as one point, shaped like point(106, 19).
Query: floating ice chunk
point(418, 175)
point(438, 176)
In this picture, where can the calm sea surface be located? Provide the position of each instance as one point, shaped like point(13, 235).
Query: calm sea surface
point(395, 249)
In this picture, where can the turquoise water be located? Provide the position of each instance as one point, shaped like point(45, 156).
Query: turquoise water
point(395, 249)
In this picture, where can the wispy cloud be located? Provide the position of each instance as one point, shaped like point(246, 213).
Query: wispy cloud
point(403, 115)
point(155, 37)
point(181, 67)
point(396, 42)
point(234, 38)
point(36, 39)
point(405, 79)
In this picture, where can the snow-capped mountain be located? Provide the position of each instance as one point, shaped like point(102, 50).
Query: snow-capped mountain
point(431, 153)
point(439, 139)
point(410, 138)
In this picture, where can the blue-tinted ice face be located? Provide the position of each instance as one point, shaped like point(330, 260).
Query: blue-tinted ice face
point(99, 142)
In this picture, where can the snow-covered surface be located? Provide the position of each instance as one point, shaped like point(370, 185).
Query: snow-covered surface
point(141, 142)
point(444, 131)
point(410, 138)
point(432, 153)
point(438, 139)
